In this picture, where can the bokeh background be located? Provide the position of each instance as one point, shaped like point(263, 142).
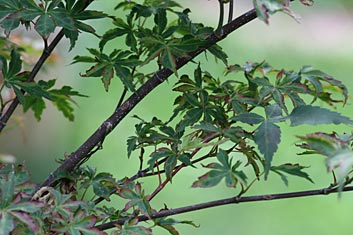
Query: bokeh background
point(323, 39)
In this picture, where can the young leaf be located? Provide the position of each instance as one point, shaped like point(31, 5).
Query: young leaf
point(313, 115)
point(267, 137)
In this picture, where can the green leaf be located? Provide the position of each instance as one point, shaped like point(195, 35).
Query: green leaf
point(324, 144)
point(7, 187)
point(62, 19)
point(15, 64)
point(102, 185)
point(125, 76)
point(249, 118)
point(29, 207)
point(4, 12)
point(64, 106)
point(30, 13)
point(85, 27)
point(107, 75)
point(7, 223)
point(72, 36)
point(313, 115)
point(110, 35)
point(37, 105)
point(160, 19)
point(168, 224)
point(9, 24)
point(218, 53)
point(45, 25)
point(169, 166)
point(225, 171)
point(273, 111)
point(267, 137)
point(90, 15)
point(316, 76)
point(131, 145)
point(19, 95)
point(291, 169)
point(159, 153)
point(136, 197)
point(33, 89)
point(207, 127)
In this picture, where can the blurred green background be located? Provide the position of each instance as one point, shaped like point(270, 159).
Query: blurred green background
point(323, 39)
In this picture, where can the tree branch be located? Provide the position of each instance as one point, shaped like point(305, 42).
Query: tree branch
point(37, 67)
point(159, 77)
point(232, 200)
point(46, 53)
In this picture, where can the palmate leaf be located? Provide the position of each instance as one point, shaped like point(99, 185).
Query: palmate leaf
point(267, 137)
point(168, 50)
point(61, 98)
point(105, 66)
point(224, 169)
point(79, 224)
point(313, 115)
point(102, 184)
point(14, 211)
point(136, 197)
point(315, 77)
point(45, 25)
point(62, 19)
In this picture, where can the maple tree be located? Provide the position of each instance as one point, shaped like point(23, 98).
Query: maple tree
point(214, 120)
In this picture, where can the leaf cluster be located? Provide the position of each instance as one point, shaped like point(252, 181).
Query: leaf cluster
point(16, 79)
point(46, 16)
point(153, 32)
point(212, 113)
point(229, 125)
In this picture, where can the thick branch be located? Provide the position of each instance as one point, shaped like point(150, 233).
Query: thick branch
point(159, 77)
point(232, 200)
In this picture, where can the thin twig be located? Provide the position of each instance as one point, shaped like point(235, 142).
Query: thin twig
point(158, 78)
point(231, 10)
point(37, 67)
point(232, 200)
